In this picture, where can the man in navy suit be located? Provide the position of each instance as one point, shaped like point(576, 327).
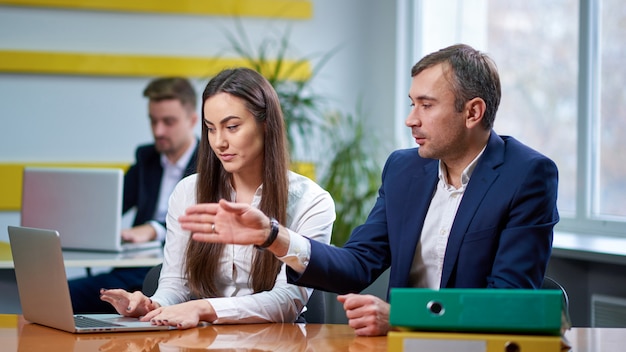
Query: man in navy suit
point(148, 184)
point(467, 208)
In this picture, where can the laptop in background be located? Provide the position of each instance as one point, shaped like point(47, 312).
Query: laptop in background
point(83, 204)
point(43, 289)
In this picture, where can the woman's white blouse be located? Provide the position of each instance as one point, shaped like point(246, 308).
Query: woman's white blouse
point(310, 213)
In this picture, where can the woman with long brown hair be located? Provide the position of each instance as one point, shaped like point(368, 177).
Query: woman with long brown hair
point(243, 157)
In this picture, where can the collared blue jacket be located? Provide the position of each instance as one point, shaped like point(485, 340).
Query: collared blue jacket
point(142, 182)
point(501, 236)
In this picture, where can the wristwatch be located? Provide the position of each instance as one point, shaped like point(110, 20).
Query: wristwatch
point(273, 234)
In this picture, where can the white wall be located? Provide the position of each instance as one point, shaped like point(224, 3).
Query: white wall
point(102, 119)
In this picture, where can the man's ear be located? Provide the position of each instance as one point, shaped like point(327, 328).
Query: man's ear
point(194, 118)
point(474, 111)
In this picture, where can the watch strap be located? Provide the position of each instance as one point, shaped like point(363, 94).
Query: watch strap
point(272, 236)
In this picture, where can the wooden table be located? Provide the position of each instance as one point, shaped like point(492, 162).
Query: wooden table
point(19, 335)
point(596, 339)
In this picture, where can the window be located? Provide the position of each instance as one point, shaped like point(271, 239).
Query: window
point(535, 45)
point(610, 192)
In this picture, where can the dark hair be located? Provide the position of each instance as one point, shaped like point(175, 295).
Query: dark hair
point(214, 182)
point(472, 74)
point(171, 88)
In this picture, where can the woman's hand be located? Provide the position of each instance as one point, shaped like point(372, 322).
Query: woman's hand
point(128, 304)
point(184, 315)
point(199, 218)
point(226, 222)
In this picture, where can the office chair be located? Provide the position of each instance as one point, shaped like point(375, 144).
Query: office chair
point(316, 307)
point(151, 281)
point(551, 284)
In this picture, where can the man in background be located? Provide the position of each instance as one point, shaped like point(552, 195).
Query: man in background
point(148, 184)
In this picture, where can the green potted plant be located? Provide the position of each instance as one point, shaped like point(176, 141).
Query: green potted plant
point(352, 174)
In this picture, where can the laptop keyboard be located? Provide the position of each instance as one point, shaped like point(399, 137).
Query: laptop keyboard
point(86, 322)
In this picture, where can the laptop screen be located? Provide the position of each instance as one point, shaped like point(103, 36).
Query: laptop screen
point(83, 204)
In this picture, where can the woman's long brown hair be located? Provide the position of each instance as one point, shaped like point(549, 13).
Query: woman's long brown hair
point(214, 183)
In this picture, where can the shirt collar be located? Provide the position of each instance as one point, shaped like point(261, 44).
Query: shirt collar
point(256, 199)
point(182, 162)
point(465, 175)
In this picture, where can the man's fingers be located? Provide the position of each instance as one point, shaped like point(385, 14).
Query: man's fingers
point(353, 301)
point(343, 298)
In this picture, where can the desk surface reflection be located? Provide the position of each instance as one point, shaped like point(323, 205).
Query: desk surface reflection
point(18, 335)
point(24, 336)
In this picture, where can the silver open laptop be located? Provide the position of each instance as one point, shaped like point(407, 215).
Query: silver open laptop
point(43, 289)
point(83, 204)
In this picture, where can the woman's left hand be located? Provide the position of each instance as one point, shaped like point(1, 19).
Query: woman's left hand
point(184, 315)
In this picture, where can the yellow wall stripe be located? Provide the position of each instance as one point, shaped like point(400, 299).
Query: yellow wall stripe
point(11, 178)
point(288, 9)
point(7, 320)
point(15, 61)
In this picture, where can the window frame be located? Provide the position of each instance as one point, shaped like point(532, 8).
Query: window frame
point(588, 132)
point(582, 221)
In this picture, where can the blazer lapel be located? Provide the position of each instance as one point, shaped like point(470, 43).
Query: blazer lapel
point(413, 212)
point(154, 174)
point(481, 180)
point(191, 165)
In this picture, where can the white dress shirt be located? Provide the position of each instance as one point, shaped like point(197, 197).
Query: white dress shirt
point(172, 173)
point(310, 213)
point(431, 249)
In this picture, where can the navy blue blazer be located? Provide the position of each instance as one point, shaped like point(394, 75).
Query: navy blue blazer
point(142, 182)
point(501, 236)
